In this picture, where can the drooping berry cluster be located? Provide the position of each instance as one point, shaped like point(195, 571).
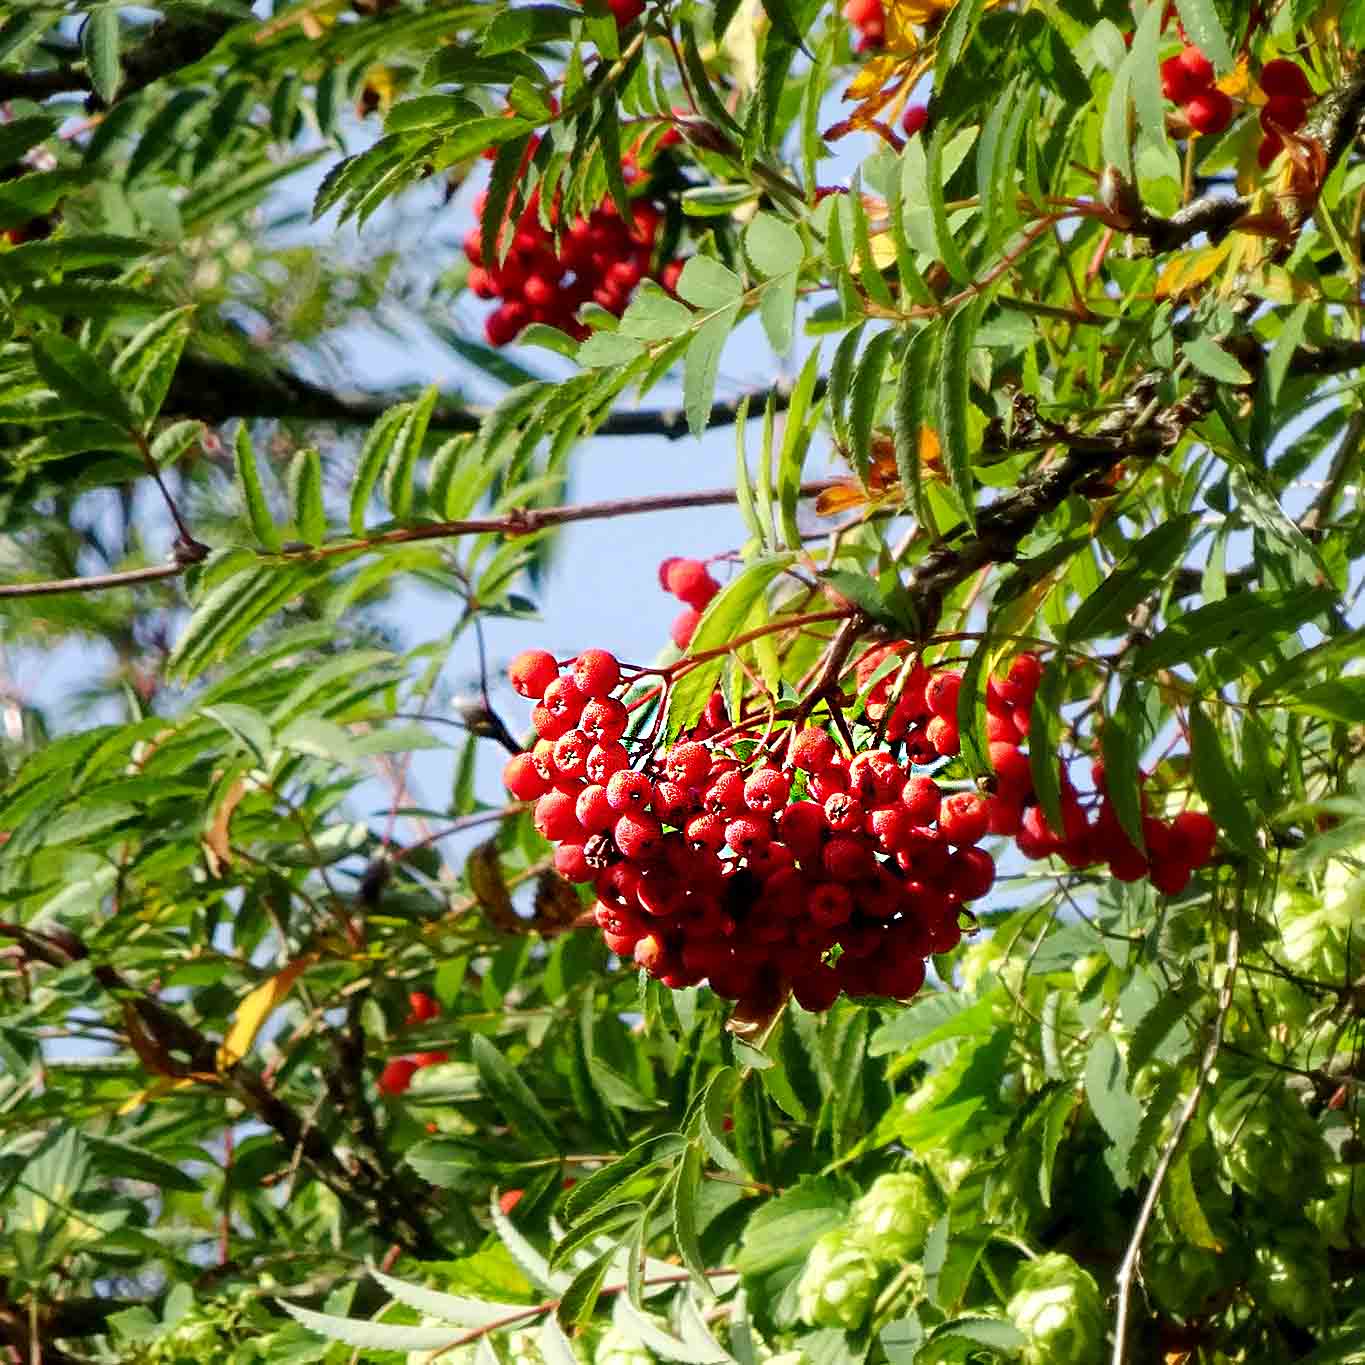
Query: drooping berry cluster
point(397, 1074)
point(599, 258)
point(1187, 80)
point(1288, 95)
point(690, 581)
point(869, 18)
point(1091, 831)
point(822, 872)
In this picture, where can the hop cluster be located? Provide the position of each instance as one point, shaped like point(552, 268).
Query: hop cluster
point(398, 1072)
point(599, 258)
point(1288, 96)
point(690, 581)
point(1187, 80)
point(869, 18)
point(823, 873)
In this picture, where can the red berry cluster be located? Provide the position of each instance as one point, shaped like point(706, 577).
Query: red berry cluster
point(1187, 80)
point(398, 1073)
point(599, 258)
point(824, 873)
point(1288, 96)
point(690, 581)
point(1091, 831)
point(914, 118)
point(869, 18)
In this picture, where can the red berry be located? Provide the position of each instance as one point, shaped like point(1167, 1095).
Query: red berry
point(766, 791)
point(531, 672)
point(1011, 766)
point(1284, 78)
point(745, 833)
point(397, 1076)
point(1021, 682)
point(688, 763)
point(1209, 113)
point(596, 672)
point(671, 802)
point(887, 825)
point(1198, 66)
point(684, 627)
point(593, 811)
point(509, 1199)
point(971, 873)
point(1194, 835)
point(812, 751)
point(604, 760)
point(829, 904)
point(422, 1007)
point(725, 796)
point(1285, 113)
point(848, 858)
point(664, 566)
point(1176, 83)
point(563, 699)
point(817, 989)
point(941, 693)
point(963, 819)
point(914, 118)
point(556, 819)
point(547, 724)
point(604, 720)
point(844, 812)
point(921, 799)
point(801, 826)
point(503, 324)
point(629, 791)
point(1272, 144)
point(521, 777)
point(943, 734)
point(690, 580)
point(638, 834)
point(706, 831)
point(1170, 876)
point(571, 753)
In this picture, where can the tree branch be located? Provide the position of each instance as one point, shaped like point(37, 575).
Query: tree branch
point(216, 392)
point(519, 523)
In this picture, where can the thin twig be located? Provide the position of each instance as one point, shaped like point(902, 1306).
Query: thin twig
point(1128, 1266)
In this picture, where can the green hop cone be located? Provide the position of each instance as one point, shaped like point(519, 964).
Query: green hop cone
point(891, 1221)
point(1291, 1275)
point(1269, 1144)
point(618, 1347)
point(839, 1282)
point(1057, 1306)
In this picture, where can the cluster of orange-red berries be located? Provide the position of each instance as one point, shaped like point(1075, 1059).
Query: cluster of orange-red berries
point(800, 865)
point(397, 1074)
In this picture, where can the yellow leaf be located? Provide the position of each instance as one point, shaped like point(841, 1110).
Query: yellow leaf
point(153, 1092)
point(256, 1007)
point(1189, 269)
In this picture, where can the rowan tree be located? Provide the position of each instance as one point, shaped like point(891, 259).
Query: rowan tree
point(933, 936)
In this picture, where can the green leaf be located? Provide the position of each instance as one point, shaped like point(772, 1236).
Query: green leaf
point(1119, 1114)
point(997, 1333)
point(608, 350)
point(454, 1309)
point(305, 488)
point(956, 33)
point(513, 1096)
point(1205, 31)
point(147, 364)
point(784, 1229)
point(1135, 578)
point(1121, 743)
point(954, 380)
point(945, 247)
point(253, 497)
point(772, 246)
point(705, 283)
point(373, 1336)
point(1259, 614)
point(407, 446)
point(99, 45)
point(686, 1194)
point(80, 378)
point(701, 366)
point(124, 1161)
point(796, 439)
point(515, 30)
point(1209, 358)
point(601, 1184)
point(912, 394)
point(373, 456)
point(655, 315)
point(22, 134)
point(867, 388)
point(720, 623)
point(1218, 783)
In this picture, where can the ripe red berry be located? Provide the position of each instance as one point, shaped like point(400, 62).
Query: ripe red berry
point(1284, 78)
point(941, 693)
point(1193, 837)
point(555, 818)
point(1169, 875)
point(747, 832)
point(1021, 682)
point(503, 324)
point(509, 1199)
point(829, 904)
point(684, 627)
point(1011, 766)
point(531, 672)
point(521, 777)
point(594, 812)
point(397, 1076)
point(963, 818)
point(688, 763)
point(766, 791)
point(844, 812)
point(1283, 113)
point(690, 580)
point(1209, 113)
point(817, 989)
point(1177, 85)
point(564, 700)
point(971, 873)
point(547, 724)
point(914, 118)
point(628, 791)
point(725, 796)
point(921, 799)
point(604, 720)
point(596, 672)
point(422, 1008)
point(887, 826)
point(571, 753)
point(943, 734)
point(812, 751)
point(638, 834)
point(1198, 66)
point(605, 760)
